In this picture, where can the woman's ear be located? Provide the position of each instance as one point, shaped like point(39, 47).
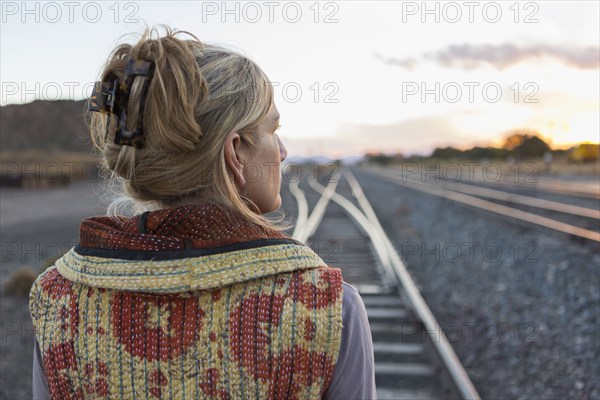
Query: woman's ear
point(234, 158)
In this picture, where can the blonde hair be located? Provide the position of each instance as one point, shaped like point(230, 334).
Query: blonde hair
point(197, 95)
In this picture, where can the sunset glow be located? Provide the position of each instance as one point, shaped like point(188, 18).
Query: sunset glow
point(352, 77)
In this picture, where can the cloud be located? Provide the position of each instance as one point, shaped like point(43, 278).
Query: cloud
point(502, 56)
point(407, 63)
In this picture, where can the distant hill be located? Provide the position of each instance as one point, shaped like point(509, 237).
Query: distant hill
point(44, 125)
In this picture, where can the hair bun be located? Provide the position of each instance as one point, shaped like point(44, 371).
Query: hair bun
point(174, 92)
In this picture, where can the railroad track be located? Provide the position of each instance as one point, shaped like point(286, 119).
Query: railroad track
point(586, 190)
point(582, 222)
point(413, 358)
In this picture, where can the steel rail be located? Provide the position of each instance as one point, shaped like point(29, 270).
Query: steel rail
point(548, 185)
point(509, 197)
point(552, 185)
point(439, 341)
point(492, 207)
point(518, 199)
point(365, 224)
point(302, 208)
point(312, 222)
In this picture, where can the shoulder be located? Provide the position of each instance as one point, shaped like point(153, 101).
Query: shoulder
point(354, 374)
point(40, 283)
point(49, 287)
point(351, 298)
point(50, 281)
point(354, 313)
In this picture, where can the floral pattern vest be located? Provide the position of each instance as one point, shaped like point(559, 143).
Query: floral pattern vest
point(191, 302)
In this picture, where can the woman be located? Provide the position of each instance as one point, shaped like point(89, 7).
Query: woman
point(198, 295)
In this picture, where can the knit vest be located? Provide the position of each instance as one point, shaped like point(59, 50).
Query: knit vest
point(187, 303)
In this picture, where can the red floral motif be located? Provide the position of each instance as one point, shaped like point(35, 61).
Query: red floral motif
point(209, 385)
point(248, 339)
point(60, 366)
point(157, 379)
point(60, 289)
point(308, 367)
point(99, 330)
point(153, 327)
point(291, 370)
point(309, 329)
point(325, 290)
point(55, 285)
point(97, 375)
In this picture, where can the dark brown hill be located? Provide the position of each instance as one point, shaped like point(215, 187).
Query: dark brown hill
point(44, 125)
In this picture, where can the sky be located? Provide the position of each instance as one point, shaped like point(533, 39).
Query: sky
point(349, 76)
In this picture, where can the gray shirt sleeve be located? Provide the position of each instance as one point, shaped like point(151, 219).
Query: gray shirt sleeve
point(354, 373)
point(40, 385)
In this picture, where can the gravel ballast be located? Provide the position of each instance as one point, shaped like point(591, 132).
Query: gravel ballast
point(520, 304)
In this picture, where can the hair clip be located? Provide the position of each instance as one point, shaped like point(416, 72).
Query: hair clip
point(103, 96)
point(123, 136)
point(113, 98)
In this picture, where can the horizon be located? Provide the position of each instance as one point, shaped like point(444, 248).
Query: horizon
point(346, 82)
point(496, 143)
